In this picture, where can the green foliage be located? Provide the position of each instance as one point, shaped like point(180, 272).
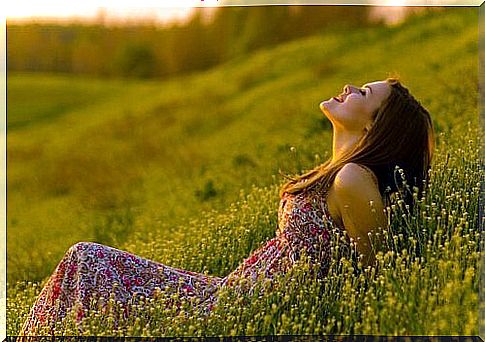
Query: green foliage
point(145, 50)
point(207, 192)
point(136, 61)
point(121, 163)
point(35, 100)
point(114, 227)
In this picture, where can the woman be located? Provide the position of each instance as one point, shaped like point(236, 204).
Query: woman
point(376, 128)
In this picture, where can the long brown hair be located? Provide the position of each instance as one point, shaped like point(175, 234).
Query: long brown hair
point(401, 135)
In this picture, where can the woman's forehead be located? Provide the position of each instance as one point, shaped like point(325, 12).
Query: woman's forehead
point(377, 83)
point(382, 87)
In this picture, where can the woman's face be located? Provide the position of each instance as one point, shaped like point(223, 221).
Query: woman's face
point(353, 109)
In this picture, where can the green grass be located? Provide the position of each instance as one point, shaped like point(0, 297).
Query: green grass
point(185, 171)
point(33, 100)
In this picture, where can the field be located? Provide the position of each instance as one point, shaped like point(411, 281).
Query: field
point(185, 171)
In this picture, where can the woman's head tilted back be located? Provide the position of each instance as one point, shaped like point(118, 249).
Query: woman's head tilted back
point(396, 131)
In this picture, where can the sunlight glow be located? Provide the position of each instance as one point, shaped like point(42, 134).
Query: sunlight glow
point(167, 10)
point(396, 2)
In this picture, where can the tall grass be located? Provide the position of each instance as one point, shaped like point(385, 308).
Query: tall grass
point(425, 281)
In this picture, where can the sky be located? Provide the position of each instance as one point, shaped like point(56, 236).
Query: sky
point(166, 11)
point(18, 10)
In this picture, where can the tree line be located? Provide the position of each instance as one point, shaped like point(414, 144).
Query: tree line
point(147, 50)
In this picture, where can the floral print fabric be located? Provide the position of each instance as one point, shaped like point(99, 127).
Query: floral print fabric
point(91, 270)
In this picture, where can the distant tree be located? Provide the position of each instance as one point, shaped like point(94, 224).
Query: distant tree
point(136, 60)
point(85, 56)
point(149, 51)
point(265, 26)
point(310, 19)
point(243, 29)
point(190, 45)
point(226, 28)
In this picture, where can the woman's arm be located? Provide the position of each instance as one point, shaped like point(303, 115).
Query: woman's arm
point(355, 189)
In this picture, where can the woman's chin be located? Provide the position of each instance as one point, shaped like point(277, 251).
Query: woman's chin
point(324, 106)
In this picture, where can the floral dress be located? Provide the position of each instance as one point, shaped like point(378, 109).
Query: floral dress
point(90, 270)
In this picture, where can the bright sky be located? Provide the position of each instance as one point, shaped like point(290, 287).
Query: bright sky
point(161, 10)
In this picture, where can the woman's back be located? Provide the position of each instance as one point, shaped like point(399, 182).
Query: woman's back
point(305, 226)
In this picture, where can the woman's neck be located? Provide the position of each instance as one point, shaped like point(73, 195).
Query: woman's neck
point(343, 142)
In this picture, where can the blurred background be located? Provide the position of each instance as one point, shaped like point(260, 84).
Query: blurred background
point(154, 43)
point(123, 126)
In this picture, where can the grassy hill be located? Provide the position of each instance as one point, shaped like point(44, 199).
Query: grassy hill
point(185, 171)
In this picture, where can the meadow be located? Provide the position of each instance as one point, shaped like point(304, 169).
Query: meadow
point(185, 171)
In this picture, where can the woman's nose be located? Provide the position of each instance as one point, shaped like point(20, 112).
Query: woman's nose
point(348, 88)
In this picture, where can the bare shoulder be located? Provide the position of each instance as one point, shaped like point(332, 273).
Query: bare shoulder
point(354, 177)
point(358, 205)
